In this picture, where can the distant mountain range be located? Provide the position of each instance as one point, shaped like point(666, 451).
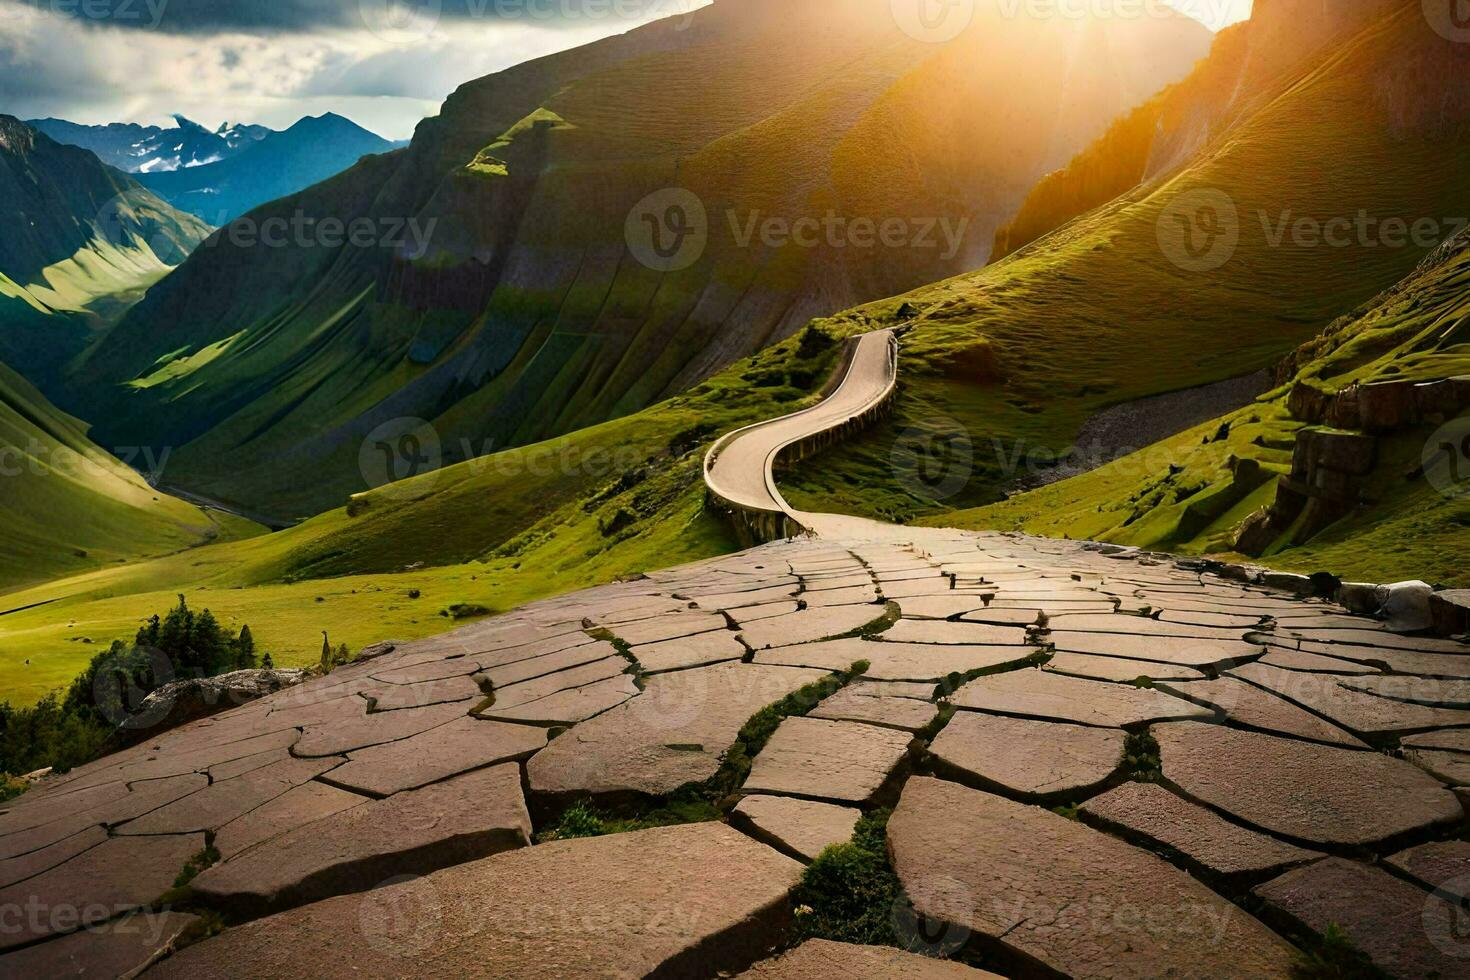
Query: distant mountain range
point(82, 243)
point(136, 149)
point(220, 175)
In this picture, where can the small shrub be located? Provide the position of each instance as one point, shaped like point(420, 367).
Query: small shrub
point(465, 610)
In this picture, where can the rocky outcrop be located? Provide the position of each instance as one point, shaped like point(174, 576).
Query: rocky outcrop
point(181, 702)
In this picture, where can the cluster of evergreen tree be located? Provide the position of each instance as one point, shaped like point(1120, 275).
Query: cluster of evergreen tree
point(63, 731)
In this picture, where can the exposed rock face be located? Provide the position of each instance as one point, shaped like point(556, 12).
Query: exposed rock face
point(181, 702)
point(1049, 890)
point(696, 900)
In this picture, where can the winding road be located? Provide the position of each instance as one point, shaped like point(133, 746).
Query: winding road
point(740, 467)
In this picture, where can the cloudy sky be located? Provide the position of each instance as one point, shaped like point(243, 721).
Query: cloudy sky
point(384, 63)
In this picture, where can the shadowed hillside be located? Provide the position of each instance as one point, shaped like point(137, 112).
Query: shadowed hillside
point(526, 314)
point(1296, 213)
point(81, 242)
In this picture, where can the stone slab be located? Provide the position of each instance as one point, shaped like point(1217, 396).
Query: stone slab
point(1248, 705)
point(307, 802)
point(572, 706)
point(1057, 697)
point(1317, 794)
point(821, 959)
point(1451, 768)
point(29, 865)
point(1363, 714)
point(968, 634)
point(898, 661)
point(809, 625)
point(1026, 757)
point(114, 877)
point(520, 671)
point(1038, 885)
point(692, 651)
point(828, 760)
point(1118, 669)
point(692, 900)
point(355, 730)
point(459, 746)
point(358, 848)
point(118, 949)
point(216, 805)
point(1405, 931)
point(1438, 865)
point(906, 714)
point(675, 732)
point(1179, 651)
point(803, 828)
point(1212, 843)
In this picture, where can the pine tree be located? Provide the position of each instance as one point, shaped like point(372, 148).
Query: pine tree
point(267, 663)
point(245, 650)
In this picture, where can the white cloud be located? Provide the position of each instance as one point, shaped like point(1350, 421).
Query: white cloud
point(52, 65)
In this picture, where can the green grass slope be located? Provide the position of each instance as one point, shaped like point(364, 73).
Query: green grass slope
point(583, 509)
point(529, 317)
point(1010, 361)
point(66, 506)
point(1182, 494)
point(82, 243)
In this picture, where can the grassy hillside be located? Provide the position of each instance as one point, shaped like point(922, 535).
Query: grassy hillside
point(1014, 358)
point(615, 500)
point(529, 315)
point(81, 244)
point(66, 506)
point(1184, 495)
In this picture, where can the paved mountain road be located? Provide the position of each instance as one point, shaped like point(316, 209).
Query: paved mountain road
point(740, 467)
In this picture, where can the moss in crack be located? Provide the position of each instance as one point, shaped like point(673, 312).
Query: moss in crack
point(849, 893)
point(763, 724)
point(181, 894)
point(1334, 957)
point(1141, 758)
point(954, 682)
point(879, 624)
point(582, 819)
point(709, 800)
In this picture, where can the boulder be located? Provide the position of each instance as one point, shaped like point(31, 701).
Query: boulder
point(180, 702)
point(1406, 607)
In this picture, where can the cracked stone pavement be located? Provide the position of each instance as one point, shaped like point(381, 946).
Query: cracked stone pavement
point(1310, 770)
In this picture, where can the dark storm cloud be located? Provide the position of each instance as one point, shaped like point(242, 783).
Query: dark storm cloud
point(291, 16)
